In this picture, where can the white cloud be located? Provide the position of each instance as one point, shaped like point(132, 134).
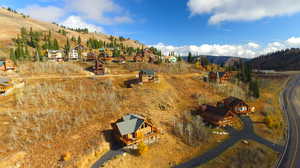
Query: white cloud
point(249, 50)
point(294, 41)
point(47, 13)
point(98, 9)
point(242, 10)
point(253, 45)
point(76, 22)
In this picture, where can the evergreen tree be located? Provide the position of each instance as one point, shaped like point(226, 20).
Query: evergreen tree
point(67, 47)
point(55, 45)
point(190, 58)
point(254, 89)
point(79, 40)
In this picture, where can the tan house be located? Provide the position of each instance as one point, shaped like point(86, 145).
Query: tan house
point(55, 55)
point(235, 105)
point(133, 129)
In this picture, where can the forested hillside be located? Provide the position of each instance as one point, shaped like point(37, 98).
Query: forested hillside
point(288, 59)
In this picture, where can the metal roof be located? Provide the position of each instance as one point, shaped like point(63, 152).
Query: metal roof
point(2, 63)
point(147, 72)
point(4, 81)
point(130, 124)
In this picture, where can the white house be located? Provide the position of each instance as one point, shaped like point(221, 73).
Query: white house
point(73, 55)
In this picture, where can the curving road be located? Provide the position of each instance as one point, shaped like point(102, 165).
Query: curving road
point(235, 136)
point(291, 156)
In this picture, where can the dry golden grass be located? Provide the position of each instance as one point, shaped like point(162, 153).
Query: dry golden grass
point(246, 156)
point(177, 68)
point(268, 117)
point(48, 68)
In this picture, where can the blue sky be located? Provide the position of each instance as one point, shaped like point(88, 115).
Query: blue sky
point(245, 28)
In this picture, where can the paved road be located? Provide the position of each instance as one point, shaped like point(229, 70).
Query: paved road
point(291, 158)
point(106, 157)
point(235, 136)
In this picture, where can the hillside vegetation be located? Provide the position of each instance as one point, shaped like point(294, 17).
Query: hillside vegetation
point(288, 59)
point(14, 22)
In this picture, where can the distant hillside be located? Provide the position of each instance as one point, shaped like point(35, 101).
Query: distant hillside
point(11, 24)
point(221, 60)
point(288, 59)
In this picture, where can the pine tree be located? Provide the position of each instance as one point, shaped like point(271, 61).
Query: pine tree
point(254, 89)
point(190, 58)
point(67, 47)
point(79, 40)
point(55, 45)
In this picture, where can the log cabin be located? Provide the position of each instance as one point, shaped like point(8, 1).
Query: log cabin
point(146, 76)
point(220, 117)
point(235, 105)
point(132, 129)
point(219, 77)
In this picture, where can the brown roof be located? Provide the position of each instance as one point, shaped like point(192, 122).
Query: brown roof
point(214, 113)
point(233, 101)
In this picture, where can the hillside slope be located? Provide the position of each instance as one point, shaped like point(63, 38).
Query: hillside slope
point(11, 23)
point(282, 60)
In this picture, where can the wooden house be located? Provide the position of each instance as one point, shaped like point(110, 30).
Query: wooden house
point(133, 129)
point(170, 59)
point(235, 105)
point(5, 85)
point(91, 56)
point(55, 55)
point(139, 57)
point(215, 115)
point(146, 76)
point(99, 68)
point(219, 77)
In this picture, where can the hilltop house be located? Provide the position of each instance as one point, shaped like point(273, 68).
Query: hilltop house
point(7, 65)
point(215, 115)
point(146, 76)
point(133, 129)
point(139, 57)
point(235, 105)
point(5, 85)
point(56, 55)
point(170, 59)
point(219, 77)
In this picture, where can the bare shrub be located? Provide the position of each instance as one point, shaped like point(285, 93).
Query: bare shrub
point(177, 68)
point(191, 129)
point(58, 108)
point(50, 68)
point(249, 158)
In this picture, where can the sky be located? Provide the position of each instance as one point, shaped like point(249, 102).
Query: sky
point(243, 28)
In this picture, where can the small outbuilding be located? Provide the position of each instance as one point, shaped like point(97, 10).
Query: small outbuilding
point(235, 105)
point(146, 76)
point(133, 129)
